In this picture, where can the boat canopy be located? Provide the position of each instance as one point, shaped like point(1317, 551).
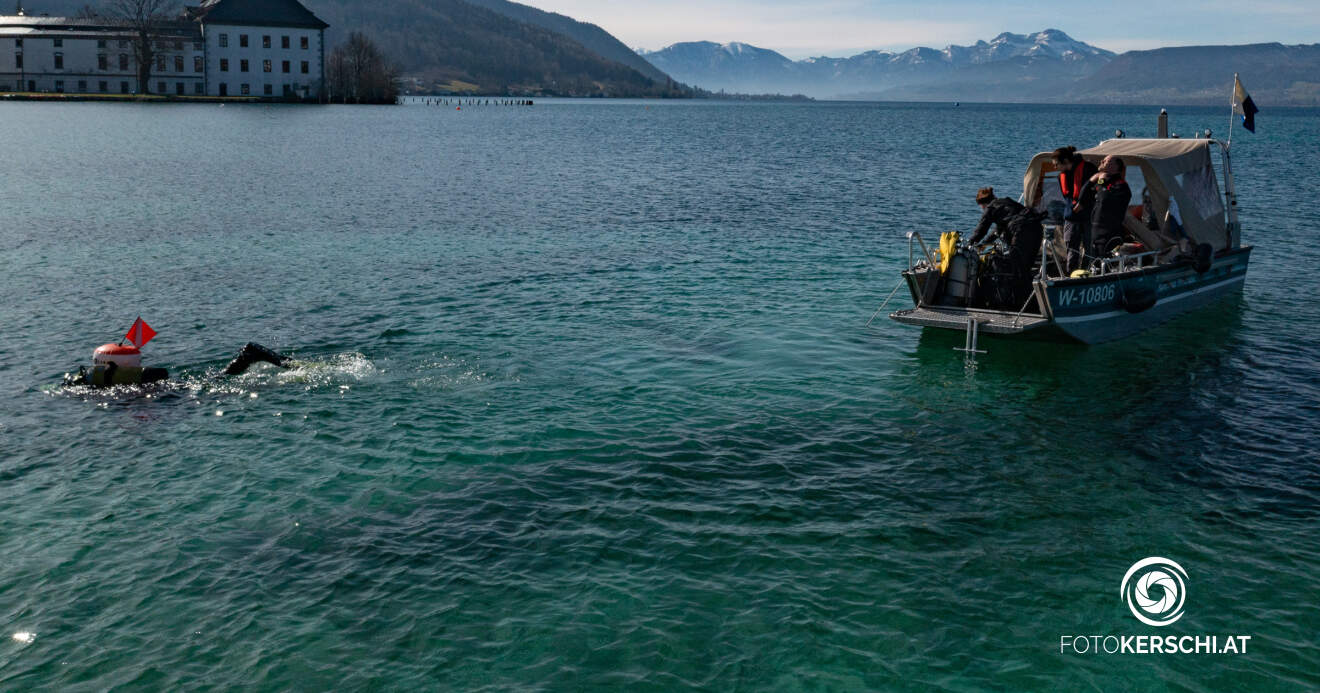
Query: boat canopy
point(1174, 169)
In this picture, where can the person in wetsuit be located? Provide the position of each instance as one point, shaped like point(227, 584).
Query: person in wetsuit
point(1074, 171)
point(1018, 226)
point(1107, 195)
point(120, 365)
point(1020, 229)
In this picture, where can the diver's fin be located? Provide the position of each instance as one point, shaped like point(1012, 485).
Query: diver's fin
point(252, 353)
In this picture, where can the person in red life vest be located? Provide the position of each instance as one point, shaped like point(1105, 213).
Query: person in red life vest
point(1074, 171)
point(1107, 195)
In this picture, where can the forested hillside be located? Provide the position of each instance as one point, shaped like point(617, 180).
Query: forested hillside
point(452, 45)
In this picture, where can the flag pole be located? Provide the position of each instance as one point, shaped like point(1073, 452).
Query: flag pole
point(1232, 110)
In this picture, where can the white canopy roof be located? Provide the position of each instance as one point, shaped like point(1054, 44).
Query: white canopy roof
point(1174, 169)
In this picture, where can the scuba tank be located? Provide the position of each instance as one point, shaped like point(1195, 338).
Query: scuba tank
point(960, 280)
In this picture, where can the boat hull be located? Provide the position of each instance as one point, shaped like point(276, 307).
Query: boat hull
point(1100, 309)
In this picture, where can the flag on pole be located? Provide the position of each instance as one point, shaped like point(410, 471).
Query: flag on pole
point(140, 333)
point(1242, 104)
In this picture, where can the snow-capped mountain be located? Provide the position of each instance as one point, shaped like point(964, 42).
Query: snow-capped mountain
point(1039, 61)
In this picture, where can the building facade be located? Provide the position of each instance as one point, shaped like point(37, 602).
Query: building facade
point(255, 48)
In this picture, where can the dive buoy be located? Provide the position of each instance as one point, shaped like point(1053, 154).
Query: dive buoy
point(124, 356)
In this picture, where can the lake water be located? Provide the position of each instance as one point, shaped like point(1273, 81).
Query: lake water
point(589, 401)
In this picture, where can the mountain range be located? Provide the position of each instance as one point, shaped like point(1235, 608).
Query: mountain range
point(1048, 66)
point(1049, 56)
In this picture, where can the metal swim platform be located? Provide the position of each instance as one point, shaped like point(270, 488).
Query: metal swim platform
point(988, 321)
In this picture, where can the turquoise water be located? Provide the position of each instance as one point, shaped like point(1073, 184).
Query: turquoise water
point(589, 402)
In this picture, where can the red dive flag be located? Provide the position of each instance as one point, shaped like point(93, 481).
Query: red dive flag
point(140, 333)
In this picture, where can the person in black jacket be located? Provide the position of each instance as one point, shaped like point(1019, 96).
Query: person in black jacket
point(1074, 171)
point(1107, 196)
point(1018, 226)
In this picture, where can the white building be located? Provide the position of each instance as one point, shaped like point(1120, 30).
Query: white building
point(261, 48)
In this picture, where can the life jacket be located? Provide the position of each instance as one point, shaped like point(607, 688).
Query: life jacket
point(1071, 182)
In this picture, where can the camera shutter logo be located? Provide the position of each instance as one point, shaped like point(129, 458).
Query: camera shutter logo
point(1155, 589)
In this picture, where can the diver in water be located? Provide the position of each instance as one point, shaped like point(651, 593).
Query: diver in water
point(118, 364)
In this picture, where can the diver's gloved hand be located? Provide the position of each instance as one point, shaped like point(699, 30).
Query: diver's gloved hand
point(252, 353)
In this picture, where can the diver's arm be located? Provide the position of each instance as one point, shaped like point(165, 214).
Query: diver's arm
point(252, 353)
point(986, 220)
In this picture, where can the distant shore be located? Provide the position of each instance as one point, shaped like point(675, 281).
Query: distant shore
point(152, 98)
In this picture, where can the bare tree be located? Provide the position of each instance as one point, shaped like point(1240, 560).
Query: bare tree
point(357, 72)
point(147, 20)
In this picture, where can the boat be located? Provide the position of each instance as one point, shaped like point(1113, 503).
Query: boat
point(1192, 257)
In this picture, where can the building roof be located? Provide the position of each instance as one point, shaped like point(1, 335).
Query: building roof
point(16, 25)
point(288, 13)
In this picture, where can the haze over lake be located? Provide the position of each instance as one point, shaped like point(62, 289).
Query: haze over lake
point(592, 404)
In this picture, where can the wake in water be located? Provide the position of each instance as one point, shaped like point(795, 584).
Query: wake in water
point(334, 370)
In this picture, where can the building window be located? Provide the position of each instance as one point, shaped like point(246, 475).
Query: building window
point(178, 45)
point(178, 88)
point(123, 61)
point(103, 86)
point(102, 63)
point(265, 42)
point(197, 45)
point(304, 42)
point(18, 43)
point(59, 43)
point(288, 90)
point(270, 90)
point(224, 89)
point(224, 64)
point(160, 63)
point(59, 61)
point(242, 66)
point(82, 86)
point(305, 67)
point(160, 87)
point(284, 42)
point(18, 61)
point(245, 89)
point(100, 43)
point(265, 66)
point(178, 63)
point(285, 65)
point(224, 40)
point(242, 41)
point(199, 89)
point(123, 87)
point(59, 86)
point(197, 63)
point(123, 43)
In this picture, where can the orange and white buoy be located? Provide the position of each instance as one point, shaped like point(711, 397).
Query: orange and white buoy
point(123, 356)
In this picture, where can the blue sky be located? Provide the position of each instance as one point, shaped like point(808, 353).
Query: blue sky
point(840, 28)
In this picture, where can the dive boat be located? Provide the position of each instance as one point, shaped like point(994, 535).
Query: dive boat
point(1187, 255)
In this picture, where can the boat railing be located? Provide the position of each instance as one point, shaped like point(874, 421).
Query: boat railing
point(911, 235)
point(1123, 263)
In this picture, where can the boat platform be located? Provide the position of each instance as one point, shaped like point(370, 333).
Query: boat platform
point(988, 321)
